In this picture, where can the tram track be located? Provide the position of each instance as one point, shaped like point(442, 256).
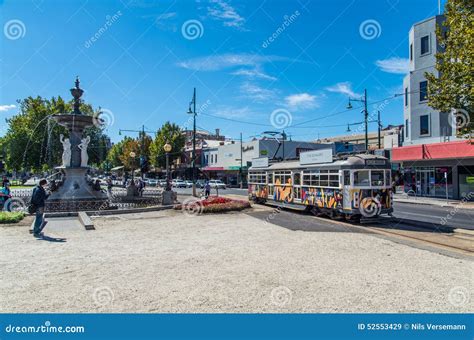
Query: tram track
point(413, 234)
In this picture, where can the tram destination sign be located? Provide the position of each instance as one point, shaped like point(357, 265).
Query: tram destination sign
point(316, 156)
point(375, 162)
point(260, 162)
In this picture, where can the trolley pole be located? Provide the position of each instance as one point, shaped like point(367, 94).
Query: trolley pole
point(379, 127)
point(241, 163)
point(366, 119)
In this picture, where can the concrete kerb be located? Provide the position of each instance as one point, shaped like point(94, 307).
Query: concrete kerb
point(85, 216)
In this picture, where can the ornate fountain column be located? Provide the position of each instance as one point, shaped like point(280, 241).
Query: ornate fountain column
point(76, 193)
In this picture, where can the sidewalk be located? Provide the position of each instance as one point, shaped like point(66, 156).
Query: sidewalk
point(459, 204)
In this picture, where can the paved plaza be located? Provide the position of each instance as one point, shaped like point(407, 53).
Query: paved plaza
point(169, 262)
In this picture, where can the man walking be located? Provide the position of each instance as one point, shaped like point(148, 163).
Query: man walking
point(38, 198)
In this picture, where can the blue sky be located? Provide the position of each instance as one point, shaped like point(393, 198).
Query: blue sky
point(257, 65)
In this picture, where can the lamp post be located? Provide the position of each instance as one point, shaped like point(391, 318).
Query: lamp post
point(193, 112)
point(167, 148)
point(132, 156)
point(366, 115)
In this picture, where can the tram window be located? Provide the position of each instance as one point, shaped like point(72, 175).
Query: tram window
point(297, 178)
point(361, 178)
point(334, 181)
point(347, 178)
point(388, 177)
point(323, 180)
point(376, 177)
point(306, 179)
point(270, 178)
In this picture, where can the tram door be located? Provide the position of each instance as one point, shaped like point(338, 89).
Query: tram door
point(346, 191)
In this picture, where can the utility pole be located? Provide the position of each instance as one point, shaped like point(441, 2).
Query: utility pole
point(366, 119)
point(193, 112)
point(366, 116)
point(379, 127)
point(241, 163)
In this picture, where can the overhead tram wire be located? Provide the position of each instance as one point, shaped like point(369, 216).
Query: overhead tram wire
point(298, 126)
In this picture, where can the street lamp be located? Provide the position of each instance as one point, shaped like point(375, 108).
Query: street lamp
point(193, 112)
point(167, 148)
point(366, 115)
point(132, 156)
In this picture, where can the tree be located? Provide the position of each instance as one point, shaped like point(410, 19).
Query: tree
point(130, 145)
point(168, 133)
point(452, 89)
point(32, 138)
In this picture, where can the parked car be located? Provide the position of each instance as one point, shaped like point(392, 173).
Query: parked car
point(200, 183)
point(179, 183)
point(215, 183)
point(189, 184)
point(152, 182)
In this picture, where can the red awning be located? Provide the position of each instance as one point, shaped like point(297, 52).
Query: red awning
point(447, 150)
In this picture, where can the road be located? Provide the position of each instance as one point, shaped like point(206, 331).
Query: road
point(459, 217)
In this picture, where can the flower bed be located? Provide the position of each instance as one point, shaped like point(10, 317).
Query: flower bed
point(212, 204)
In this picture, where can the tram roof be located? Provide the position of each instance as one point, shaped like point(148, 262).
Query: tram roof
point(353, 161)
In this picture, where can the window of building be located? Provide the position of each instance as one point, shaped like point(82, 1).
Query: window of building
point(215, 159)
point(411, 51)
point(406, 96)
point(424, 125)
point(425, 44)
point(406, 128)
point(361, 178)
point(423, 90)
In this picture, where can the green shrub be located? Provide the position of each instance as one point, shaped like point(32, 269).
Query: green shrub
point(11, 217)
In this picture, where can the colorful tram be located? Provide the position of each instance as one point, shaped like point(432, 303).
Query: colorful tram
point(355, 187)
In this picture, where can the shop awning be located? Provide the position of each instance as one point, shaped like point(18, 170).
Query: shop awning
point(447, 150)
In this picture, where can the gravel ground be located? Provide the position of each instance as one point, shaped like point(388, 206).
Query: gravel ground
point(168, 262)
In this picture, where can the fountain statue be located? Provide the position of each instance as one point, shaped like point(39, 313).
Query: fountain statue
point(66, 150)
point(75, 193)
point(83, 147)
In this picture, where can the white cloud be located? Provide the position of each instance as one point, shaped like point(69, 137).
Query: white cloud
point(229, 60)
point(344, 88)
point(223, 11)
point(301, 101)
point(4, 108)
point(256, 92)
point(394, 65)
point(253, 73)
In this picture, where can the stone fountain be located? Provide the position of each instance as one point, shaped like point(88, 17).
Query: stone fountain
point(75, 192)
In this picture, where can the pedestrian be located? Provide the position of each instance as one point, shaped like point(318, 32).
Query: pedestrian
point(207, 189)
point(96, 185)
point(109, 186)
point(38, 199)
point(5, 195)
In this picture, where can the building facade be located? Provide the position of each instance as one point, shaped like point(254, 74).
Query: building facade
point(433, 161)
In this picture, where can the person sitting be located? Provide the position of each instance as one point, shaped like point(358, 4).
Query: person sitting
point(5, 195)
